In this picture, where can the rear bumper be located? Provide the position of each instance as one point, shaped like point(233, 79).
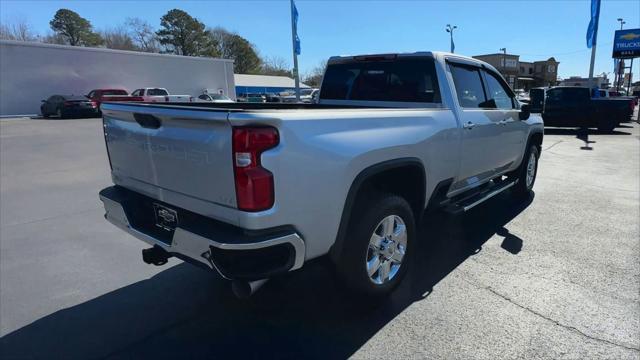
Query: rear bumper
point(235, 253)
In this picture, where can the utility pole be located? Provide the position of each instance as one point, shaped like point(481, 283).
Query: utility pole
point(450, 31)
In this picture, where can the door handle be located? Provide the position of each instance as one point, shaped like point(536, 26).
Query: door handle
point(469, 125)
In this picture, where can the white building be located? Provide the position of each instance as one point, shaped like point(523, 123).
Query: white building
point(31, 72)
point(264, 84)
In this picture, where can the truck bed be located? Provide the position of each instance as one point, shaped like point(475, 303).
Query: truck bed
point(238, 106)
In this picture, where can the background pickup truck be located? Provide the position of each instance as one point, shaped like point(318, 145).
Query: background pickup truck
point(571, 106)
point(256, 190)
point(115, 95)
point(160, 95)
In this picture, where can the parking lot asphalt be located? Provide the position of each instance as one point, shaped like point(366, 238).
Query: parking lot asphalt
point(556, 276)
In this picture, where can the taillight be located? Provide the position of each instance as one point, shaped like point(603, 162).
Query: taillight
point(94, 104)
point(254, 184)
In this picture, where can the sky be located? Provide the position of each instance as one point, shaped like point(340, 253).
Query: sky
point(535, 30)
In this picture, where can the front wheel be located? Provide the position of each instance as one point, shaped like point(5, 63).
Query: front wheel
point(378, 246)
point(527, 172)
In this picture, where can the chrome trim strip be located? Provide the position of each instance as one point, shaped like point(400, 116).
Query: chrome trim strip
point(488, 196)
point(189, 244)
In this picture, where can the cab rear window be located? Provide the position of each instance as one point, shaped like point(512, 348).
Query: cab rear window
point(404, 80)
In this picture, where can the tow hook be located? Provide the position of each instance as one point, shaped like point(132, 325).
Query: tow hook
point(244, 289)
point(155, 256)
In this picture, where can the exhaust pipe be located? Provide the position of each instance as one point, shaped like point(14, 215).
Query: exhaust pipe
point(244, 289)
point(155, 256)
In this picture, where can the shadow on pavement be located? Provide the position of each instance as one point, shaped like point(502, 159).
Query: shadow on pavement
point(575, 131)
point(184, 312)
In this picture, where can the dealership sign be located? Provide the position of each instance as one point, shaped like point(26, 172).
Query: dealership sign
point(626, 44)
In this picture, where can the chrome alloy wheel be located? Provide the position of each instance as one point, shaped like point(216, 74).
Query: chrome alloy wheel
point(387, 248)
point(531, 170)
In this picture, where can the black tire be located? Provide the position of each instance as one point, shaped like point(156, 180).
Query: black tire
point(352, 263)
point(524, 187)
point(45, 115)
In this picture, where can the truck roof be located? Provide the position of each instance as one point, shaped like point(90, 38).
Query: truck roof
point(439, 55)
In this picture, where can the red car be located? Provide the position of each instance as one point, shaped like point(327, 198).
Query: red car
point(101, 95)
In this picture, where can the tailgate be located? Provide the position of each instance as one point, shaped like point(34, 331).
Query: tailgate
point(157, 150)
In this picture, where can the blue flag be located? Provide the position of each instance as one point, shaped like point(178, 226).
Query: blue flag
point(294, 16)
point(592, 30)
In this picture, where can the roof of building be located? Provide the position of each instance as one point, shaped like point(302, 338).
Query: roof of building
point(105, 50)
point(266, 81)
point(495, 54)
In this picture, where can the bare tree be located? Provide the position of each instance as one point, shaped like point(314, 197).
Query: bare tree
point(118, 38)
point(54, 38)
point(18, 30)
point(275, 65)
point(230, 45)
point(143, 34)
point(314, 77)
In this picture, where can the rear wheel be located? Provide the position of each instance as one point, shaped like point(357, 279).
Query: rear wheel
point(527, 172)
point(378, 246)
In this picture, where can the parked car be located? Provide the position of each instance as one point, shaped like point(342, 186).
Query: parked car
point(217, 98)
point(523, 97)
point(160, 95)
point(64, 106)
point(101, 95)
point(256, 190)
point(305, 97)
point(252, 98)
point(573, 106)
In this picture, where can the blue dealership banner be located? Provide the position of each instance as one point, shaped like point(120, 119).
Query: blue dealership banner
point(592, 30)
point(626, 44)
point(294, 16)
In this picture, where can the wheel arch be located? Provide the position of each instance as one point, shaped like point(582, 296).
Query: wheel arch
point(374, 176)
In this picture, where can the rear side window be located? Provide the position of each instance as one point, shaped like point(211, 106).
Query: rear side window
point(114, 92)
point(468, 86)
point(498, 92)
point(404, 80)
point(157, 92)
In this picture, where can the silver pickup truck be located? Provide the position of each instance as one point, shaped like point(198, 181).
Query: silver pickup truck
point(252, 191)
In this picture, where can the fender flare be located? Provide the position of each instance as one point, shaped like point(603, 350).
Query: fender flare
point(356, 185)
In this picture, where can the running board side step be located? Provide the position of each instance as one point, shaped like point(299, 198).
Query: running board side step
point(467, 203)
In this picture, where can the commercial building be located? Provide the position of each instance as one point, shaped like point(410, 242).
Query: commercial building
point(523, 74)
point(601, 82)
point(264, 84)
point(31, 72)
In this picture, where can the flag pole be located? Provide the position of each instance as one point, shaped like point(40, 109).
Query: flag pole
point(294, 34)
point(594, 40)
point(593, 60)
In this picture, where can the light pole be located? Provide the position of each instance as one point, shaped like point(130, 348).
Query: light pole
point(504, 63)
point(618, 77)
point(450, 31)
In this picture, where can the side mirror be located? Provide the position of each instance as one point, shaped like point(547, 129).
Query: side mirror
point(525, 112)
